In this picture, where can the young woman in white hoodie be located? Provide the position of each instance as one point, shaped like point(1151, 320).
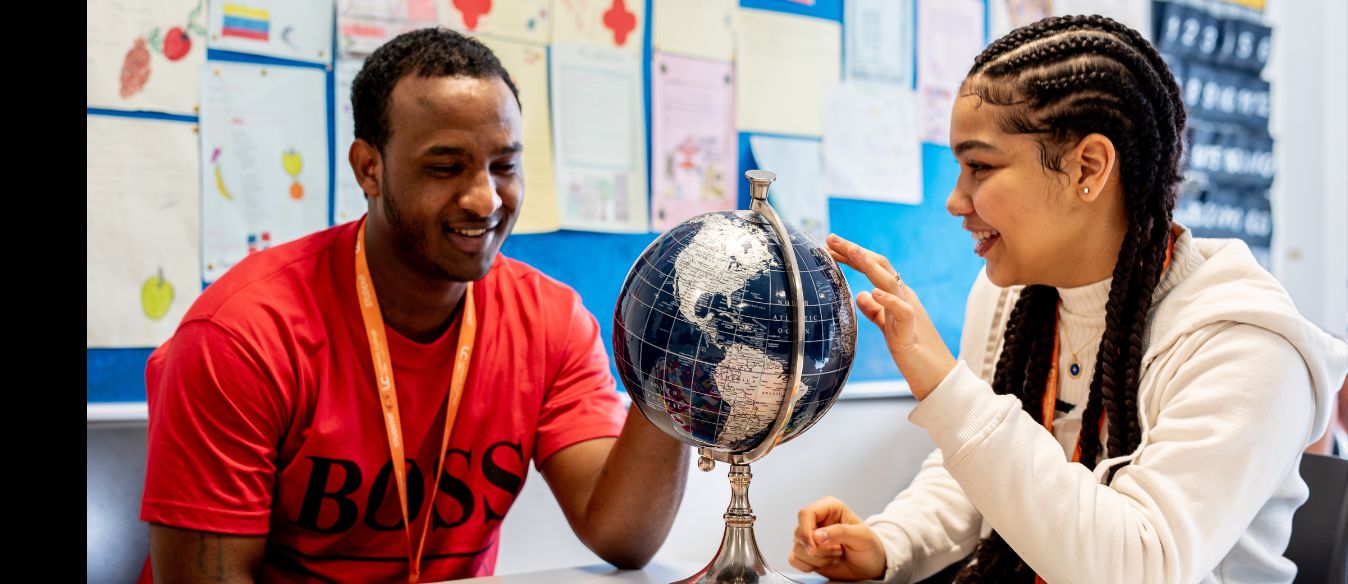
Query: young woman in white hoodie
point(1130, 403)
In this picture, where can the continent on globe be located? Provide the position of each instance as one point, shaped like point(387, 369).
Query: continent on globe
point(702, 332)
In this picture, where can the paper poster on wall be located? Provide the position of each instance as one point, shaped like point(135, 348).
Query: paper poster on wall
point(364, 25)
point(696, 157)
point(694, 28)
point(798, 193)
point(264, 146)
point(871, 146)
point(1137, 15)
point(527, 21)
point(1007, 15)
point(528, 67)
point(615, 24)
point(145, 55)
point(349, 198)
point(879, 36)
point(599, 139)
point(142, 235)
point(289, 29)
point(784, 63)
point(949, 36)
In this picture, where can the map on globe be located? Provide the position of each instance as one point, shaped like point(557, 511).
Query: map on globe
point(702, 331)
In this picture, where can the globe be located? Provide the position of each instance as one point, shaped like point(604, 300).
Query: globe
point(702, 332)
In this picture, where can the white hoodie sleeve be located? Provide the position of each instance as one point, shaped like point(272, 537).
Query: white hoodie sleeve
point(932, 524)
point(1236, 414)
point(928, 526)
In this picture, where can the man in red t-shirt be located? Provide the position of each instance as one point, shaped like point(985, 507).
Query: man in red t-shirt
point(272, 441)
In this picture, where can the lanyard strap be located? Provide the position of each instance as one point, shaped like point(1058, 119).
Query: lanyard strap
point(388, 397)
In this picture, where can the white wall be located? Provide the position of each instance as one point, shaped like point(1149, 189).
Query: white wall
point(1335, 23)
point(1308, 70)
point(862, 451)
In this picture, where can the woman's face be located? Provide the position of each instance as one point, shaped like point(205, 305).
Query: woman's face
point(1028, 222)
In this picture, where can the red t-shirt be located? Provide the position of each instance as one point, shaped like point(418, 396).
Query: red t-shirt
point(264, 418)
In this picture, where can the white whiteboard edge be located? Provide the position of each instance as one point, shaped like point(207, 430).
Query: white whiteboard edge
point(139, 411)
point(117, 412)
point(876, 389)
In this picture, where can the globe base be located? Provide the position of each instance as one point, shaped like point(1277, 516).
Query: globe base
point(738, 561)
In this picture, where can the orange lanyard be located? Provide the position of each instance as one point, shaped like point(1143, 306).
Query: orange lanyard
point(383, 371)
point(1049, 405)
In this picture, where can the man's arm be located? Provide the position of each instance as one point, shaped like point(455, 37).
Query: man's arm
point(620, 494)
point(184, 555)
point(215, 418)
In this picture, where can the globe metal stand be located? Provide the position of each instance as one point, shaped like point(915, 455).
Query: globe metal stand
point(738, 561)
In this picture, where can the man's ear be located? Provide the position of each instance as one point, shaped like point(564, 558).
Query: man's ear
point(368, 164)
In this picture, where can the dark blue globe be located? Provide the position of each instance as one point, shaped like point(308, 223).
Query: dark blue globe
point(702, 338)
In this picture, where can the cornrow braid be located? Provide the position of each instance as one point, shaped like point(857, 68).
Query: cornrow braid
point(1086, 44)
point(1062, 79)
point(1010, 373)
point(1043, 304)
